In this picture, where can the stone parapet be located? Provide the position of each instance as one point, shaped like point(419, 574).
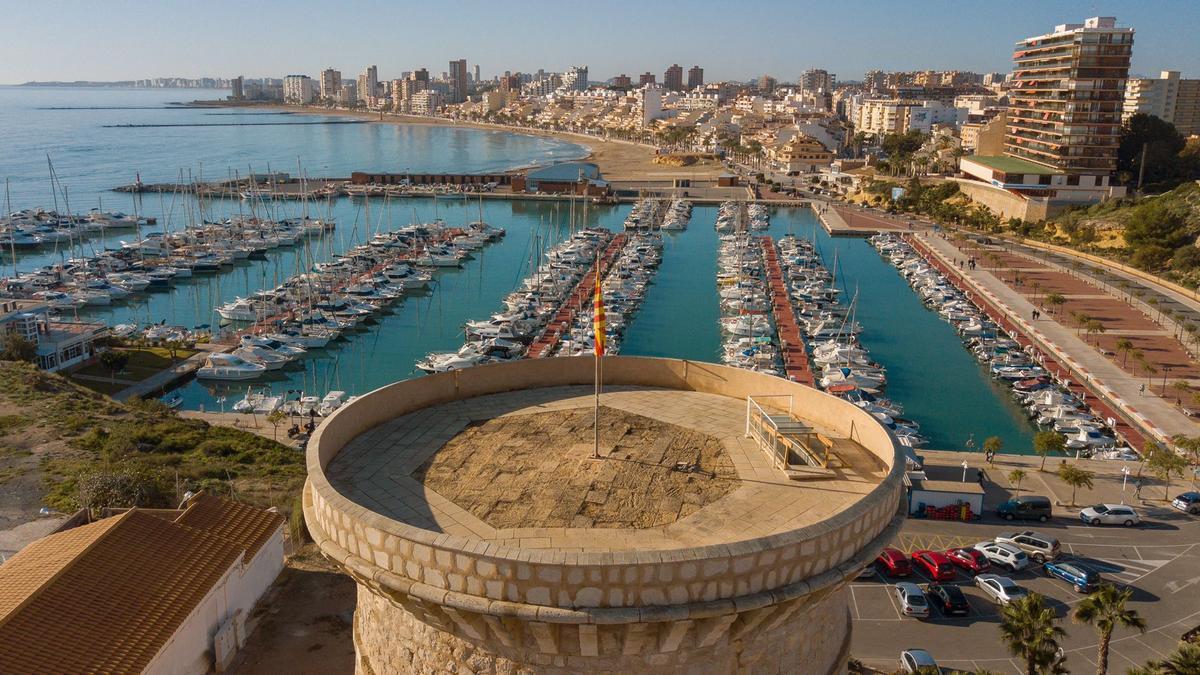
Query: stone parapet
point(549, 609)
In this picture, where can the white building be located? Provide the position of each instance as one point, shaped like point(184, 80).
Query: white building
point(425, 102)
point(898, 116)
point(1167, 97)
point(298, 89)
point(149, 591)
point(575, 79)
point(651, 103)
point(60, 344)
point(368, 84)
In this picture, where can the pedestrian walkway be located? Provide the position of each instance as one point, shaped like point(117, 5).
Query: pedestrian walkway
point(1128, 393)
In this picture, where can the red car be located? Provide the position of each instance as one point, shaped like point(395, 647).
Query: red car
point(970, 559)
point(894, 563)
point(937, 565)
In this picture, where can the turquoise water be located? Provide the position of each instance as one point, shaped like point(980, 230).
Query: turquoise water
point(929, 372)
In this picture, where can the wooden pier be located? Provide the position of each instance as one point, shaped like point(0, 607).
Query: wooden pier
point(579, 298)
point(791, 339)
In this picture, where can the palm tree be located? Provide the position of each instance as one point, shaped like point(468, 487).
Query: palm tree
point(1105, 609)
point(992, 445)
point(1031, 631)
point(1163, 462)
point(1075, 477)
point(1055, 300)
point(1124, 346)
point(1185, 660)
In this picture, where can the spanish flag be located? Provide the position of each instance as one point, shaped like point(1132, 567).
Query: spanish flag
point(598, 316)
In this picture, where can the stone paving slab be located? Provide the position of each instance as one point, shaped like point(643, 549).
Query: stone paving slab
point(376, 470)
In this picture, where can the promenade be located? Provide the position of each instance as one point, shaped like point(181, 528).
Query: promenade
point(1128, 393)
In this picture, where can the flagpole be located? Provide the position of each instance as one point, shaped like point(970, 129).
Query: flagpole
point(598, 339)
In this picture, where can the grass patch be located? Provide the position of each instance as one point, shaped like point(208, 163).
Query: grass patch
point(106, 388)
point(142, 453)
point(144, 362)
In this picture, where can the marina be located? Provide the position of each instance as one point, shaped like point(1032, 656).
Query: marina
point(676, 315)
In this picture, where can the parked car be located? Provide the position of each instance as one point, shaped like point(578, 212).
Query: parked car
point(1188, 502)
point(948, 598)
point(1038, 546)
point(917, 661)
point(937, 565)
point(1110, 514)
point(1026, 507)
point(969, 559)
point(1001, 590)
point(866, 572)
point(1082, 578)
point(893, 562)
point(1003, 555)
point(911, 599)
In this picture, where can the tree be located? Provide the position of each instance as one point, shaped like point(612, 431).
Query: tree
point(1075, 477)
point(1046, 443)
point(1015, 477)
point(17, 347)
point(1030, 630)
point(1094, 327)
point(1182, 389)
point(114, 361)
point(1160, 141)
point(992, 445)
point(1189, 446)
point(1124, 346)
point(1055, 300)
point(1163, 462)
point(276, 417)
point(1105, 609)
point(1185, 660)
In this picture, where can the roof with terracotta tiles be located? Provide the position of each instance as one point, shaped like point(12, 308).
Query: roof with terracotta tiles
point(106, 597)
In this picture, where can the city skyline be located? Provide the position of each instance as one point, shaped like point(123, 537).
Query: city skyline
point(626, 39)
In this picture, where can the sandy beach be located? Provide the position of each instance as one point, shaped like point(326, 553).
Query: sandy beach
point(617, 160)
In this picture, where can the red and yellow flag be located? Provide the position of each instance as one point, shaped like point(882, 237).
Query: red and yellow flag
point(598, 317)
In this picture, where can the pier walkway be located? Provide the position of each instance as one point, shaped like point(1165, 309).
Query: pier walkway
point(1140, 415)
point(579, 298)
point(791, 340)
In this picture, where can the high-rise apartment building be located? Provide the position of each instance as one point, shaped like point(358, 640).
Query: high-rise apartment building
point(1168, 98)
point(368, 84)
point(1067, 95)
point(298, 89)
point(576, 78)
point(695, 77)
point(673, 78)
point(238, 92)
point(646, 78)
point(874, 80)
point(766, 84)
point(622, 81)
point(476, 77)
point(458, 81)
point(331, 84)
point(817, 81)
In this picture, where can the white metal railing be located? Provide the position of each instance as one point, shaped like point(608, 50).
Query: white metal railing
point(779, 436)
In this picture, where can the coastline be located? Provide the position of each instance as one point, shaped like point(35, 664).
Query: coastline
point(618, 160)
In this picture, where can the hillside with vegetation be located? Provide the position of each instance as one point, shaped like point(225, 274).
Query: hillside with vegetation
point(64, 446)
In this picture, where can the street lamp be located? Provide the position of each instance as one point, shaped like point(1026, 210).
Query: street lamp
point(964, 466)
point(1124, 478)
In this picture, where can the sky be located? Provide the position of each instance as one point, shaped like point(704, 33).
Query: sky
point(126, 39)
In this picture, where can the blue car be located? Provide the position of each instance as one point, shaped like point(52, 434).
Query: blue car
point(1084, 580)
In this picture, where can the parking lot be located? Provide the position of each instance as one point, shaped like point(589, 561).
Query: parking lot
point(1160, 560)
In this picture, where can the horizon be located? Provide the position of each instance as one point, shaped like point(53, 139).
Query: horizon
point(626, 38)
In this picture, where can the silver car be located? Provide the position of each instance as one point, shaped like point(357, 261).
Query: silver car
point(912, 600)
point(917, 661)
point(1110, 514)
point(1001, 590)
point(1003, 555)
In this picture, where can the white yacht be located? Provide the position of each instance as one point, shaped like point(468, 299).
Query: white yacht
point(229, 367)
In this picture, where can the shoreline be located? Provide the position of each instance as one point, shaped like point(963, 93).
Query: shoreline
point(617, 160)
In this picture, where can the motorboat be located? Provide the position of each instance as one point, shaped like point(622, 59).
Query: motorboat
point(229, 367)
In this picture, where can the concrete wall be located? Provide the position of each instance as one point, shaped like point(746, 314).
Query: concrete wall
point(427, 592)
point(1006, 204)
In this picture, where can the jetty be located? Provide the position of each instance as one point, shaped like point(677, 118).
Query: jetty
point(791, 341)
point(546, 343)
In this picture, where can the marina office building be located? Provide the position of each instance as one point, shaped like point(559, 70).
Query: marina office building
point(60, 344)
point(1063, 123)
